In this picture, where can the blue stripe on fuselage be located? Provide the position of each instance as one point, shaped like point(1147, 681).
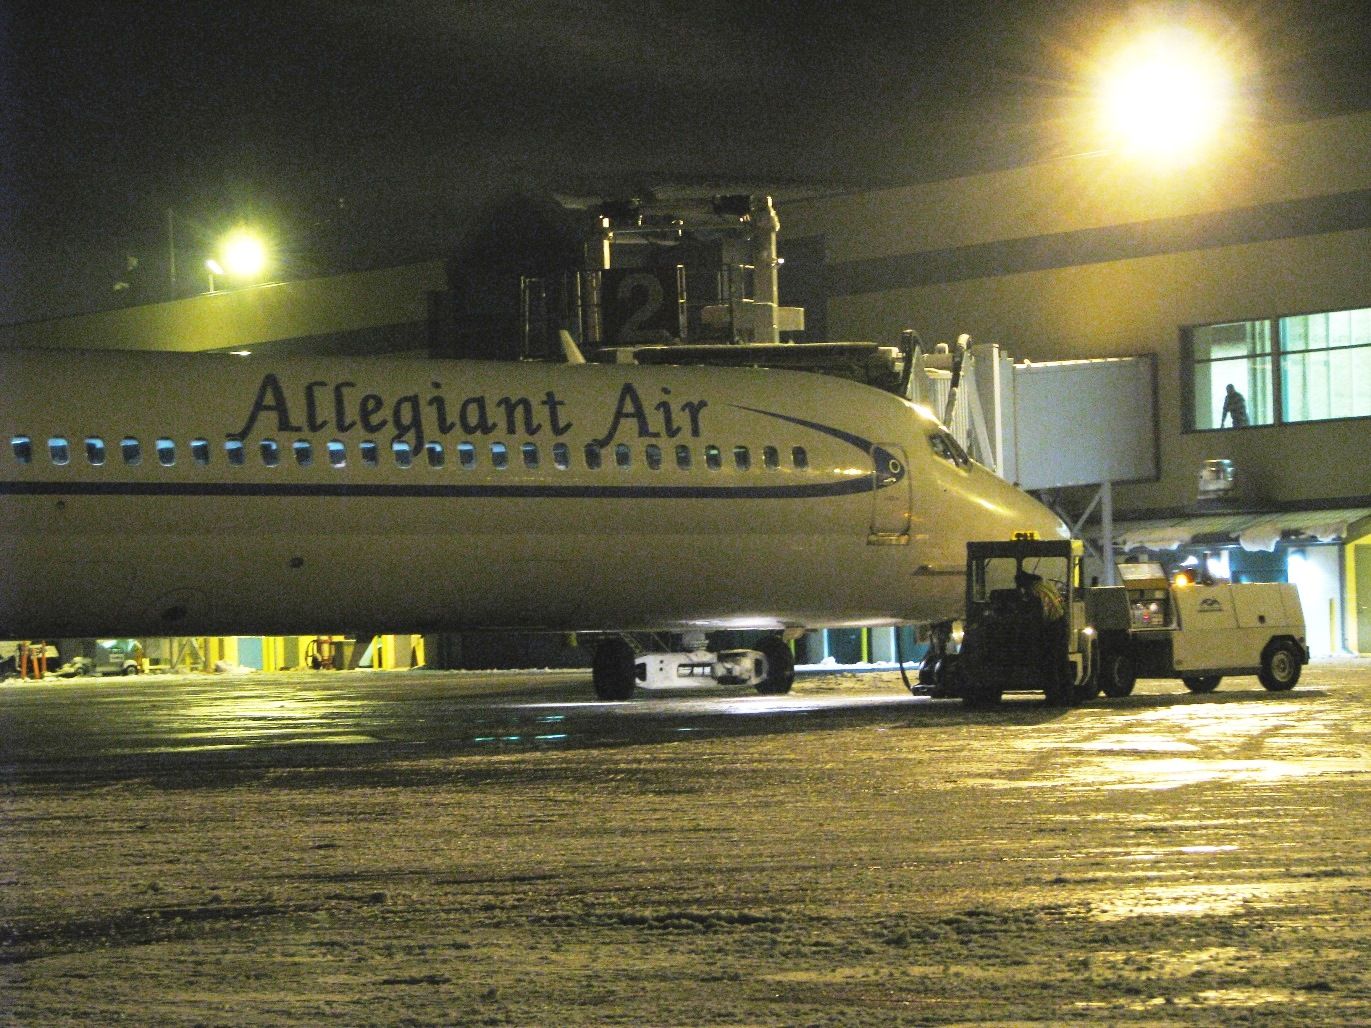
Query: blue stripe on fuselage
point(889, 472)
point(845, 487)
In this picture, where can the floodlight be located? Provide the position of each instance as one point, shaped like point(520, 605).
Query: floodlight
point(1164, 94)
point(243, 254)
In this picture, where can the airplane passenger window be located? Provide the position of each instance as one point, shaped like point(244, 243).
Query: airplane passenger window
point(304, 453)
point(499, 456)
point(623, 456)
point(771, 458)
point(59, 451)
point(337, 453)
point(199, 451)
point(436, 457)
point(592, 457)
point(370, 453)
point(95, 451)
point(23, 449)
point(683, 456)
point(561, 456)
point(530, 452)
point(271, 453)
point(800, 458)
point(742, 458)
point(654, 456)
point(466, 455)
point(404, 456)
point(713, 458)
point(166, 452)
point(233, 450)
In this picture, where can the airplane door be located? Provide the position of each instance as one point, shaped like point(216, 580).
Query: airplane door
point(890, 503)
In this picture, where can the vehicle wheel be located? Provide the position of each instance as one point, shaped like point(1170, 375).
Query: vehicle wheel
point(614, 671)
point(1280, 666)
point(931, 672)
point(1202, 683)
point(780, 666)
point(130, 669)
point(981, 697)
point(977, 690)
point(1089, 689)
point(1118, 674)
point(1059, 690)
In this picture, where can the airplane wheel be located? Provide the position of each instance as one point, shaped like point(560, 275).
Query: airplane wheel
point(780, 666)
point(1202, 683)
point(1280, 666)
point(614, 671)
point(1118, 674)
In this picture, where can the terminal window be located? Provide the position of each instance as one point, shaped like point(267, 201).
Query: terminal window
point(1301, 367)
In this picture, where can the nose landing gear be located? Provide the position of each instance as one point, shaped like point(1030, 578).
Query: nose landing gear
point(620, 667)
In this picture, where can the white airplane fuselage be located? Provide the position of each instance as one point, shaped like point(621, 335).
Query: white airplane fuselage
point(172, 494)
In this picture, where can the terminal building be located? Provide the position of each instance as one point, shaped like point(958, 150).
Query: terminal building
point(1249, 270)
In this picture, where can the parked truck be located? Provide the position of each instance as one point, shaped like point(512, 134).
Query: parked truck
point(1032, 625)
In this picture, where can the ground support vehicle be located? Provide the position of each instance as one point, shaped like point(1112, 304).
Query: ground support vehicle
point(1103, 638)
point(1151, 628)
point(1025, 628)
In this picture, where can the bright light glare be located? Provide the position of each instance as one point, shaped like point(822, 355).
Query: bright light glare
point(1165, 94)
point(243, 254)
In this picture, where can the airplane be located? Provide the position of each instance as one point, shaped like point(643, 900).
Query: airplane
point(170, 494)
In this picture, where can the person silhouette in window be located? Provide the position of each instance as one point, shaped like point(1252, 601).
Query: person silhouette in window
point(1234, 408)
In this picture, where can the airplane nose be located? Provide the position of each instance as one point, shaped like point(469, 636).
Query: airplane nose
point(1023, 513)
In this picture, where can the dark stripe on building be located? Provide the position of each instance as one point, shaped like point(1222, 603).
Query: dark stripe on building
point(1284, 220)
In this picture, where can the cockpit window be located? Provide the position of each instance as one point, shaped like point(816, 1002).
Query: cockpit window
point(946, 447)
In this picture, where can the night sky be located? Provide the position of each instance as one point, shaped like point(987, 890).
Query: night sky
point(364, 133)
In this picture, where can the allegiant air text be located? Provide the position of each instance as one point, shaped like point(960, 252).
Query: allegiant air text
point(344, 407)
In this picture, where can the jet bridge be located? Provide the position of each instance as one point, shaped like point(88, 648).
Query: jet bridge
point(1051, 425)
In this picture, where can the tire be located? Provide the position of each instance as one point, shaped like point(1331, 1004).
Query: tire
point(614, 671)
point(982, 697)
point(931, 673)
point(1089, 689)
point(1118, 674)
point(1281, 665)
point(1202, 683)
point(780, 666)
point(974, 687)
point(1060, 690)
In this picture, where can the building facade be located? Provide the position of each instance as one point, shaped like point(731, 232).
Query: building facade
point(1249, 268)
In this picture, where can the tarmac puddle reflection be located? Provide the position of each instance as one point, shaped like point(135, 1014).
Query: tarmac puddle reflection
point(1189, 900)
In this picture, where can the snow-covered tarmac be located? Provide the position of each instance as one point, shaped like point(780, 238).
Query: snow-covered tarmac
point(442, 848)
